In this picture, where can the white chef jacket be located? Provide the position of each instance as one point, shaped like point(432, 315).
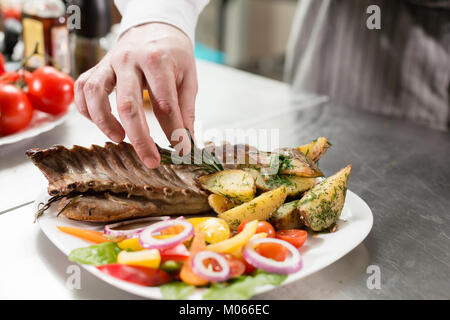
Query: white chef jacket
point(182, 14)
point(401, 70)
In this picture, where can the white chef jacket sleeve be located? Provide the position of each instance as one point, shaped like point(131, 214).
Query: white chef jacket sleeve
point(182, 14)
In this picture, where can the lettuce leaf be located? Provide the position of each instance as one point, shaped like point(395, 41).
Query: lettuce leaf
point(243, 287)
point(97, 254)
point(176, 290)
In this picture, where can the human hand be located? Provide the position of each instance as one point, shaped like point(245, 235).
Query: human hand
point(155, 56)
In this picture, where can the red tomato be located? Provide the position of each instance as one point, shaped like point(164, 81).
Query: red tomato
point(16, 111)
point(241, 226)
point(263, 226)
point(237, 266)
point(273, 251)
point(11, 13)
point(14, 76)
point(50, 90)
point(294, 236)
point(2, 64)
point(136, 274)
point(177, 253)
point(249, 269)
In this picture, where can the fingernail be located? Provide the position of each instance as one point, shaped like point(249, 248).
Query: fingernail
point(116, 137)
point(151, 163)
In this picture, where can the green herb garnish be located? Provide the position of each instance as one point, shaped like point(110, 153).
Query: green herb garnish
point(202, 158)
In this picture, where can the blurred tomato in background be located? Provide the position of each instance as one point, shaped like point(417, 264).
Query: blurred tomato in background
point(16, 110)
point(2, 64)
point(50, 90)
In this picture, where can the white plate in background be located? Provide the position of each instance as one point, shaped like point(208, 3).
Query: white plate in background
point(41, 122)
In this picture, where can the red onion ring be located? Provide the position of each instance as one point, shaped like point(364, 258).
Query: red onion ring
point(208, 274)
point(108, 229)
point(146, 239)
point(291, 264)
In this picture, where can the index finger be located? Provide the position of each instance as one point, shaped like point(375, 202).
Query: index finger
point(186, 97)
point(129, 106)
point(164, 97)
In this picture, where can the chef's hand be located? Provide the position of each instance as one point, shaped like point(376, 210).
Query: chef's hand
point(155, 56)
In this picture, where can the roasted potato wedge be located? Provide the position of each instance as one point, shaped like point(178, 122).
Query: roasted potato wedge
point(286, 161)
point(237, 185)
point(286, 217)
point(293, 162)
point(260, 208)
point(294, 184)
point(220, 203)
point(321, 206)
point(315, 149)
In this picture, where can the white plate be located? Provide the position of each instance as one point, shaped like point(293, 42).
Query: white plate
point(41, 122)
point(318, 252)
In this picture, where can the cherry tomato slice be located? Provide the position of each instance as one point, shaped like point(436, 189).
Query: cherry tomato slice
point(273, 251)
point(136, 274)
point(237, 266)
point(294, 236)
point(249, 269)
point(176, 253)
point(263, 226)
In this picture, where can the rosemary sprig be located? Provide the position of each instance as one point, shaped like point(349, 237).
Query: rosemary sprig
point(42, 207)
point(68, 204)
point(201, 158)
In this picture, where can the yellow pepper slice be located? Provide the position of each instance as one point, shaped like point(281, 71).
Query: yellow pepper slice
point(133, 243)
point(130, 244)
point(238, 252)
point(145, 258)
point(235, 243)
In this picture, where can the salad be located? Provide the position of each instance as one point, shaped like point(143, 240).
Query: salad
point(262, 211)
point(180, 254)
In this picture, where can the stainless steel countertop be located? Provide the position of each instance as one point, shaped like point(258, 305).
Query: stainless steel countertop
point(402, 171)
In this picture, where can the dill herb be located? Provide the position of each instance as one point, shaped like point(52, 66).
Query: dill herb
point(278, 181)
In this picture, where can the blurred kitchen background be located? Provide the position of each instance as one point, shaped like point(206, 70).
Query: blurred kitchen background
point(246, 34)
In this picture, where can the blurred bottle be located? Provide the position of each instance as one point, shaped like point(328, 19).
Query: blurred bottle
point(11, 11)
point(89, 42)
point(44, 26)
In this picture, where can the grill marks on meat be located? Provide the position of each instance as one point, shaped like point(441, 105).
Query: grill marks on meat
point(115, 168)
point(116, 171)
point(116, 185)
